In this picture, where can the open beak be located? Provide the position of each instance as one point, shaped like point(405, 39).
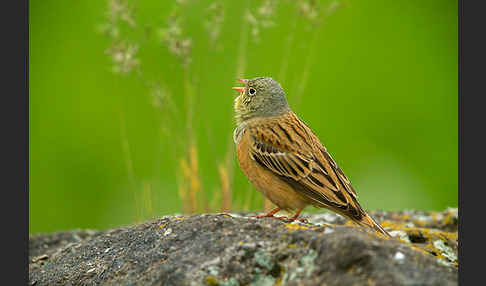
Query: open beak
point(240, 89)
point(242, 80)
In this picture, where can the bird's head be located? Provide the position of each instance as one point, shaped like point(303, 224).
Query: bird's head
point(259, 97)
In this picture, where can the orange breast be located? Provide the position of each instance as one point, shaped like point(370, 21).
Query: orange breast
point(273, 188)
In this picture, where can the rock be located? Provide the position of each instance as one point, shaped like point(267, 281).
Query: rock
point(233, 249)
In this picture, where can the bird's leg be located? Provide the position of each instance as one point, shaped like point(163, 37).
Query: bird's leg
point(269, 214)
point(294, 217)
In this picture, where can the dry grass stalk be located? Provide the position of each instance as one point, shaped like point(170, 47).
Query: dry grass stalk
point(183, 186)
point(195, 183)
point(225, 189)
point(190, 188)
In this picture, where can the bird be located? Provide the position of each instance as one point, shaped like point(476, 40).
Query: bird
point(284, 159)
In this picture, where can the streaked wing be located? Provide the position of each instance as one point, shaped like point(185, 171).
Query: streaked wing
point(340, 175)
point(288, 148)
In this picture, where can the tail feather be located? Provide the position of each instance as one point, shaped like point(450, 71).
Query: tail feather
point(368, 221)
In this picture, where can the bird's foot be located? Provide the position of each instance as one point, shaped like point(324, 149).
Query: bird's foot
point(295, 217)
point(269, 214)
point(263, 215)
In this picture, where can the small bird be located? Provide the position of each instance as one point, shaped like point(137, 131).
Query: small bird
point(283, 158)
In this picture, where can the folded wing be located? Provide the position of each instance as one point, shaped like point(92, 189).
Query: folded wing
point(289, 149)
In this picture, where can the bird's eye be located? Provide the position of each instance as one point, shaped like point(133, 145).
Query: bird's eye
point(252, 91)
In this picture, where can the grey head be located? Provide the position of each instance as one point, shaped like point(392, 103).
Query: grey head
point(259, 97)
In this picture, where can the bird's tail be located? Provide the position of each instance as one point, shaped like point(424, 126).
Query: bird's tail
point(368, 221)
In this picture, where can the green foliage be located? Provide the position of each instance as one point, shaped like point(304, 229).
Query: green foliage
point(120, 91)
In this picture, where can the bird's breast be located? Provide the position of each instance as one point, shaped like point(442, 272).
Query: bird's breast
point(273, 188)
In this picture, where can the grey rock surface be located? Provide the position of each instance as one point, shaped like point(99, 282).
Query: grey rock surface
point(233, 249)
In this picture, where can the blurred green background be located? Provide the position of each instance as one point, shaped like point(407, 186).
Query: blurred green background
point(376, 81)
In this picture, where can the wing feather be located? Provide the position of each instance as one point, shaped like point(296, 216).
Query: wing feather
point(286, 148)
